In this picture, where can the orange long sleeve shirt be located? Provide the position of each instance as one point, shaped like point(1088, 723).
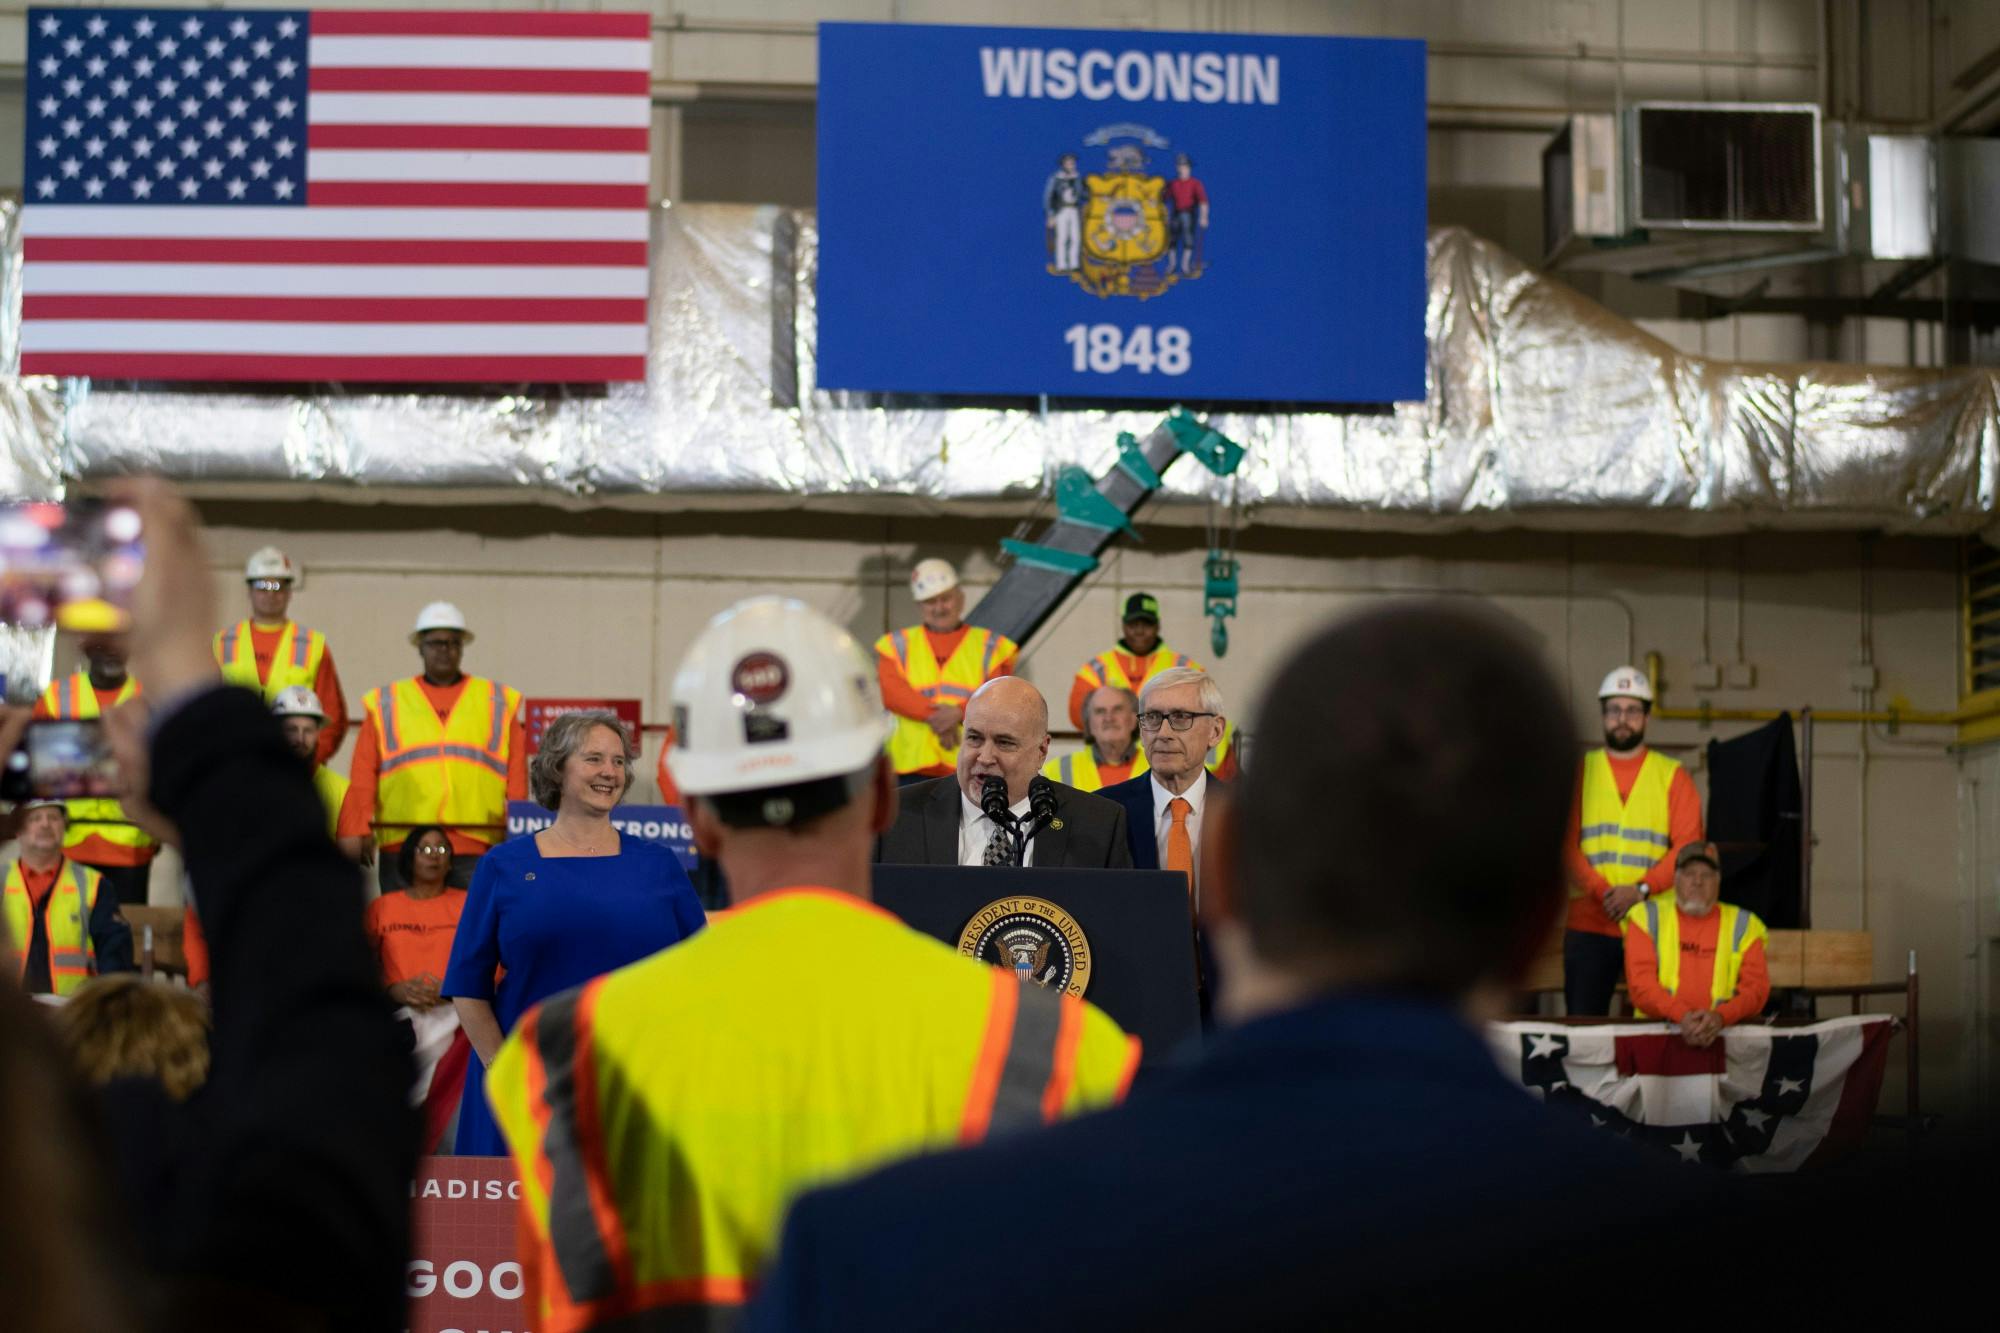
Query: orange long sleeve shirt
point(1132, 664)
point(1586, 913)
point(357, 813)
point(264, 648)
point(1697, 978)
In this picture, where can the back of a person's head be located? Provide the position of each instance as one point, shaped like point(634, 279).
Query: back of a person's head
point(123, 1026)
point(1402, 815)
point(64, 1259)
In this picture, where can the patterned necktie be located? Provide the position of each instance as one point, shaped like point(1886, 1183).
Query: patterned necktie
point(1180, 848)
point(999, 848)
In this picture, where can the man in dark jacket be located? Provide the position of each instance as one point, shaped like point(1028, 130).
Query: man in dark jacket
point(1385, 872)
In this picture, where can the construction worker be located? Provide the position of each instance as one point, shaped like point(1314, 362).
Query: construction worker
point(929, 670)
point(270, 653)
point(1692, 960)
point(440, 747)
point(1111, 751)
point(1634, 806)
point(62, 929)
point(100, 833)
point(661, 1117)
point(1135, 659)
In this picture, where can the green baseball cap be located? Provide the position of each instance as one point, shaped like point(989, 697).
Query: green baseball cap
point(1142, 606)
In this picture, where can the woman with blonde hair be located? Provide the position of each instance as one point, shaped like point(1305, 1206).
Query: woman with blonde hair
point(124, 1026)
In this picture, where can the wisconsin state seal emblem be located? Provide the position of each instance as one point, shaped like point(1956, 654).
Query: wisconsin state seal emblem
point(1032, 938)
point(1123, 230)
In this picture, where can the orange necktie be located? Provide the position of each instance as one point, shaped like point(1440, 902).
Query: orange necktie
point(1180, 849)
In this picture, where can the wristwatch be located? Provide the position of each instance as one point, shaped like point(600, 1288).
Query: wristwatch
point(1645, 892)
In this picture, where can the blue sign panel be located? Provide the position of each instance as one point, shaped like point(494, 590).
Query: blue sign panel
point(664, 824)
point(1010, 211)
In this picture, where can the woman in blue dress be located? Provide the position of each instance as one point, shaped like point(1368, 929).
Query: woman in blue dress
point(551, 911)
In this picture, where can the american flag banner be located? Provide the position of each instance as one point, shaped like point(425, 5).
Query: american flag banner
point(345, 195)
point(1761, 1099)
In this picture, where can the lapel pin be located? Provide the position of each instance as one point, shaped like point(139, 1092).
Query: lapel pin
point(1055, 823)
point(531, 874)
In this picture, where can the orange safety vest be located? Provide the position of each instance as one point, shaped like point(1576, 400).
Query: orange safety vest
point(913, 746)
point(73, 698)
point(72, 953)
point(295, 662)
point(451, 771)
point(658, 1144)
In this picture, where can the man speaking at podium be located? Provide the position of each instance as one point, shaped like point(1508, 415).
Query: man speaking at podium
point(964, 820)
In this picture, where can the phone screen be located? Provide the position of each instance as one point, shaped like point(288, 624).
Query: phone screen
point(72, 566)
point(63, 759)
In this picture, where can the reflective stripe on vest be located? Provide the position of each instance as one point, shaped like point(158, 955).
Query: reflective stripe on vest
point(913, 746)
point(72, 899)
point(1661, 922)
point(1021, 1084)
point(452, 770)
point(1080, 769)
point(1623, 839)
point(73, 698)
point(295, 660)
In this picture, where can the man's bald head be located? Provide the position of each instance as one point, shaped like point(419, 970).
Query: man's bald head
point(1006, 732)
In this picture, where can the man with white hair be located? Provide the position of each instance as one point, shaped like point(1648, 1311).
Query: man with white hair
point(1180, 720)
point(928, 672)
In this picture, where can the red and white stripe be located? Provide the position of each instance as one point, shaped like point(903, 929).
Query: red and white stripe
point(476, 211)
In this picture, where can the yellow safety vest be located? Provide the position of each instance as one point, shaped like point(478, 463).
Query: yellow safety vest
point(1105, 669)
point(332, 789)
point(72, 953)
point(1622, 840)
point(663, 1117)
point(450, 772)
point(1734, 934)
point(73, 697)
point(1079, 769)
point(913, 746)
point(296, 660)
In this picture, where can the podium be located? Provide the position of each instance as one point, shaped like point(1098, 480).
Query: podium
point(1123, 939)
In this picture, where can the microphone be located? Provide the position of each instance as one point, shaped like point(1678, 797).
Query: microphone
point(993, 800)
point(1041, 800)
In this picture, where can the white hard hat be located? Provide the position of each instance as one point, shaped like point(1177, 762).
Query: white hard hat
point(1627, 682)
point(440, 615)
point(269, 563)
point(773, 694)
point(297, 701)
point(932, 577)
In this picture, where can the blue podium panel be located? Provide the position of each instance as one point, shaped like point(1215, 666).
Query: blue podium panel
point(1120, 214)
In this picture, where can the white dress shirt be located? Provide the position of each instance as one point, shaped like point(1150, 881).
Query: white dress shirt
point(975, 830)
point(1163, 821)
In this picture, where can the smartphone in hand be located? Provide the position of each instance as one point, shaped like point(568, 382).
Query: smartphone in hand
point(63, 760)
point(72, 566)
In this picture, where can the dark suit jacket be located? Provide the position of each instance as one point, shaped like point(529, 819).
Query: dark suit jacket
point(1136, 795)
point(926, 830)
point(1361, 1154)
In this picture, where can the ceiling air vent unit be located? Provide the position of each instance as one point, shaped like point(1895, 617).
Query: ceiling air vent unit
point(1725, 166)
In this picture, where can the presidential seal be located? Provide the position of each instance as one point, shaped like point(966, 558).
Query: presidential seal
point(1032, 938)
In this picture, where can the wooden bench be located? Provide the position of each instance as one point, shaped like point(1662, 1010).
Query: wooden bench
point(161, 951)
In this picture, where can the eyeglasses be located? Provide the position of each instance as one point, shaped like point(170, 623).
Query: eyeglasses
point(269, 585)
point(1179, 720)
point(438, 644)
point(436, 849)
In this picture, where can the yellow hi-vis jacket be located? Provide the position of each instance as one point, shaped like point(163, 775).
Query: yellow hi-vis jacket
point(296, 661)
point(913, 746)
point(450, 772)
point(1734, 934)
point(663, 1117)
point(72, 954)
point(1079, 770)
point(73, 698)
point(1625, 839)
point(332, 789)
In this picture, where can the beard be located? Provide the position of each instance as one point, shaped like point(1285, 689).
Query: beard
point(1623, 739)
